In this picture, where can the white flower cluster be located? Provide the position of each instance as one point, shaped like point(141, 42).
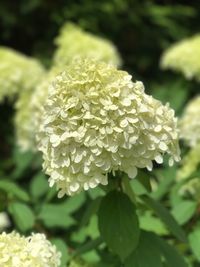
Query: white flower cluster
point(32, 251)
point(30, 107)
point(74, 42)
point(97, 120)
point(184, 57)
point(17, 73)
point(189, 124)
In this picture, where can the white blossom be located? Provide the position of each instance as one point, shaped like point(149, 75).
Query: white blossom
point(96, 120)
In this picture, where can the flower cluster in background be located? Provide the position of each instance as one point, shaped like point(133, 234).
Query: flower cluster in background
point(184, 57)
point(191, 189)
point(18, 73)
point(189, 124)
point(34, 250)
point(30, 107)
point(75, 42)
point(96, 121)
point(190, 162)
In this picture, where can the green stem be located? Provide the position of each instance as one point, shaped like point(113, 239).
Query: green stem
point(128, 189)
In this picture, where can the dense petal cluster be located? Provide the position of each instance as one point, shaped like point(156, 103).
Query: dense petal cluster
point(35, 250)
point(4, 221)
point(74, 42)
point(184, 57)
point(29, 110)
point(97, 120)
point(17, 73)
point(189, 124)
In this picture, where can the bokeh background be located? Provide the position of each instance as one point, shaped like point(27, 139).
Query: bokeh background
point(141, 30)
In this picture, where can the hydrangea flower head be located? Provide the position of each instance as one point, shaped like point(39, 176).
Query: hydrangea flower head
point(29, 109)
point(35, 250)
point(17, 73)
point(184, 57)
point(75, 42)
point(189, 124)
point(190, 163)
point(96, 121)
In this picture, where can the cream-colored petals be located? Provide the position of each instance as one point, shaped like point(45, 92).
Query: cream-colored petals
point(189, 124)
point(35, 250)
point(96, 120)
point(184, 57)
point(75, 42)
point(29, 109)
point(18, 73)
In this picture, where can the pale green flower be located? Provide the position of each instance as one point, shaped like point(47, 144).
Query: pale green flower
point(29, 110)
point(18, 73)
point(190, 163)
point(189, 124)
point(75, 42)
point(184, 57)
point(96, 120)
point(191, 188)
point(34, 250)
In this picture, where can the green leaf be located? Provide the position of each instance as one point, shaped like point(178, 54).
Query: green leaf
point(96, 192)
point(138, 188)
point(39, 185)
point(144, 179)
point(22, 161)
point(147, 254)
point(72, 204)
point(149, 222)
point(91, 230)
point(118, 223)
point(61, 246)
point(194, 240)
point(90, 245)
point(184, 211)
point(165, 92)
point(55, 215)
point(90, 210)
point(166, 178)
point(91, 257)
point(171, 255)
point(13, 189)
point(22, 215)
point(166, 217)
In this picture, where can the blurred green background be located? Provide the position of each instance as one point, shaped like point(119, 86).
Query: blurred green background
point(140, 29)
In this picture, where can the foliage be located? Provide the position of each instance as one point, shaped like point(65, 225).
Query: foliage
point(152, 220)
